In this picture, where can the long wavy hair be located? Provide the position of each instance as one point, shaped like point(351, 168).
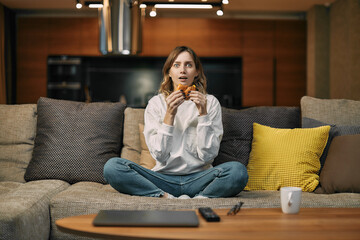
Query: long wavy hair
point(167, 86)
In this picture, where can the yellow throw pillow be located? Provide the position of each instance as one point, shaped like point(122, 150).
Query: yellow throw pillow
point(146, 160)
point(285, 157)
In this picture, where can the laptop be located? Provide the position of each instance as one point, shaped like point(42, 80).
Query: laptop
point(146, 218)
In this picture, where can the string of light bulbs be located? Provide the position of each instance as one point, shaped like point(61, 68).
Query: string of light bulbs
point(177, 5)
point(170, 5)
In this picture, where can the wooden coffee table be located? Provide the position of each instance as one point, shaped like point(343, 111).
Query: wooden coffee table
point(260, 223)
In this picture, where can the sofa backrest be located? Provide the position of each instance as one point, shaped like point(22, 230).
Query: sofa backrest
point(17, 134)
point(18, 129)
point(236, 144)
point(331, 111)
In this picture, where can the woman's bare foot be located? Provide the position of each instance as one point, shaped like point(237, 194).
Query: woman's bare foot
point(167, 195)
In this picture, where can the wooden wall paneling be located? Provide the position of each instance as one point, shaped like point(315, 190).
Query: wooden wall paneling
point(258, 38)
point(258, 62)
point(32, 52)
point(257, 41)
point(257, 81)
point(291, 62)
point(291, 81)
point(160, 36)
point(208, 37)
point(89, 36)
point(225, 37)
point(40, 37)
point(65, 36)
point(194, 33)
point(290, 38)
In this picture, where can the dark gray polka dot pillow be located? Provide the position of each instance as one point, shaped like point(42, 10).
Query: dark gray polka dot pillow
point(74, 140)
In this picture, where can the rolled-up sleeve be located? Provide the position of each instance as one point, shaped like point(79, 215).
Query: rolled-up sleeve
point(158, 135)
point(209, 132)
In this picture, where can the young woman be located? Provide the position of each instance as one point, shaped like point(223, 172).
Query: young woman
point(183, 136)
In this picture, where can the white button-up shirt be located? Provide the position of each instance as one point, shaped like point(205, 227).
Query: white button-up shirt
point(191, 144)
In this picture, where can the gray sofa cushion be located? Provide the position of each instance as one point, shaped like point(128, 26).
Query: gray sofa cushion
point(74, 140)
point(17, 134)
point(24, 208)
point(238, 129)
point(332, 111)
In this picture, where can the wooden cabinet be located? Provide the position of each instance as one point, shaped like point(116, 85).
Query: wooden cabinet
point(274, 62)
point(40, 37)
point(290, 54)
point(258, 62)
point(258, 85)
point(31, 59)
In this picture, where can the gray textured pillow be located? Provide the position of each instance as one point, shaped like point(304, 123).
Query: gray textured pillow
point(335, 130)
point(238, 129)
point(17, 134)
point(74, 140)
point(332, 111)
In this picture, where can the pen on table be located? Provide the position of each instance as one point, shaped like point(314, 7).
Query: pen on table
point(235, 209)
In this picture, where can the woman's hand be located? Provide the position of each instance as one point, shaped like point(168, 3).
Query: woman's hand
point(173, 101)
point(200, 101)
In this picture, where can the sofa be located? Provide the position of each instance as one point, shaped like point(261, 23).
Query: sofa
point(52, 155)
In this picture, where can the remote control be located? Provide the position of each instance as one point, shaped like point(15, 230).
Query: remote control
point(209, 214)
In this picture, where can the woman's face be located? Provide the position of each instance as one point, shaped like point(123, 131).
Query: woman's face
point(183, 70)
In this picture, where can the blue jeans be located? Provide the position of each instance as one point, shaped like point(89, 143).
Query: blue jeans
point(224, 180)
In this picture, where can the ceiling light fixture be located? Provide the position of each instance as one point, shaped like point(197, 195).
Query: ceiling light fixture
point(225, 1)
point(153, 12)
point(93, 4)
point(219, 12)
point(78, 4)
point(96, 5)
point(184, 6)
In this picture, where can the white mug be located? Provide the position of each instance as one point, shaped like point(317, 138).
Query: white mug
point(290, 199)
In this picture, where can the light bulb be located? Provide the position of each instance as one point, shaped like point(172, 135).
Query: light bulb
point(219, 12)
point(153, 13)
